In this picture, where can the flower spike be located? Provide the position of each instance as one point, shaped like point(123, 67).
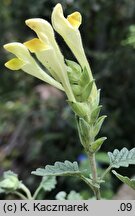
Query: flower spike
point(68, 29)
point(51, 58)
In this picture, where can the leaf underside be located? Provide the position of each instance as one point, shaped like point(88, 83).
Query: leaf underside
point(125, 179)
point(123, 158)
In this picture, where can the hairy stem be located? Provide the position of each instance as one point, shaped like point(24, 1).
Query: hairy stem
point(105, 172)
point(20, 195)
point(86, 180)
point(94, 174)
point(26, 190)
point(36, 192)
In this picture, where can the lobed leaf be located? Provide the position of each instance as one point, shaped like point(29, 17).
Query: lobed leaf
point(73, 195)
point(48, 183)
point(125, 179)
point(59, 169)
point(123, 158)
point(10, 182)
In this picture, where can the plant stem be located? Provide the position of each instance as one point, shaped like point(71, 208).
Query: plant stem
point(36, 192)
point(105, 172)
point(86, 180)
point(26, 190)
point(20, 195)
point(94, 174)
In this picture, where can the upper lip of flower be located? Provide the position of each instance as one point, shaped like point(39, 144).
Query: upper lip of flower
point(41, 26)
point(36, 45)
point(45, 54)
point(73, 20)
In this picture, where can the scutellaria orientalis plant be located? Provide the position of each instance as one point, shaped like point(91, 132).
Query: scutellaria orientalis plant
point(75, 79)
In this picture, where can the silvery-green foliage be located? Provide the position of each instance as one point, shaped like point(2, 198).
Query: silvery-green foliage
point(10, 182)
point(73, 195)
point(123, 158)
point(48, 183)
point(59, 169)
point(61, 195)
point(125, 179)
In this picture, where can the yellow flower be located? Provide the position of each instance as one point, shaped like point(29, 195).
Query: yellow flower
point(68, 29)
point(44, 54)
point(26, 62)
point(50, 56)
point(75, 19)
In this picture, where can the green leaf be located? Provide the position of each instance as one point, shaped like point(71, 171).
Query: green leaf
point(98, 124)
point(84, 131)
point(59, 169)
point(95, 114)
point(81, 109)
point(74, 66)
point(73, 76)
point(123, 158)
point(84, 79)
point(73, 195)
point(95, 146)
point(10, 182)
point(86, 91)
point(61, 195)
point(94, 101)
point(48, 183)
point(9, 173)
point(74, 71)
point(125, 179)
point(76, 89)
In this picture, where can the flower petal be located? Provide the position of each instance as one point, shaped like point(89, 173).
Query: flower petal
point(36, 45)
point(56, 62)
point(68, 29)
point(75, 19)
point(40, 25)
point(45, 33)
point(19, 50)
point(45, 54)
point(15, 64)
point(27, 63)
